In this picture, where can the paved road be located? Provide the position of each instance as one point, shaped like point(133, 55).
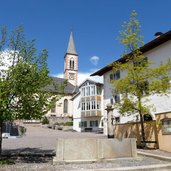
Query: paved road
point(44, 139)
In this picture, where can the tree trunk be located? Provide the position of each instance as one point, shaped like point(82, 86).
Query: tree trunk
point(142, 123)
point(142, 130)
point(1, 124)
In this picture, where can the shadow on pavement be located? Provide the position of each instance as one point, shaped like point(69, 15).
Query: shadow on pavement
point(28, 155)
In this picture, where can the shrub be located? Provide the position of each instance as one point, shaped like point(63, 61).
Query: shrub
point(68, 124)
point(45, 120)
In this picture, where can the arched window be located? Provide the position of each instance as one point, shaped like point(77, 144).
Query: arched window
point(65, 106)
point(71, 63)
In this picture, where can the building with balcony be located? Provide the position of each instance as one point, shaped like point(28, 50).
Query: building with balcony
point(88, 107)
point(156, 51)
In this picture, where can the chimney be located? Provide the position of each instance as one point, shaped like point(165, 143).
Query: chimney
point(158, 34)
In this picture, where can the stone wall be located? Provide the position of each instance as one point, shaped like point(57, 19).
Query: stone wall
point(73, 150)
point(53, 120)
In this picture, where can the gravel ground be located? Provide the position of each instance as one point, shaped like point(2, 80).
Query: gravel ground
point(42, 141)
point(140, 161)
point(156, 152)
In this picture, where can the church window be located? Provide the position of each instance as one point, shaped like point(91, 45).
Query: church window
point(71, 63)
point(65, 106)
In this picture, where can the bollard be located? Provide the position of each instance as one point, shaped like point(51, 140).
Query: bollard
point(110, 131)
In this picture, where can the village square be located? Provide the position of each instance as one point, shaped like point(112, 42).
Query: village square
point(116, 116)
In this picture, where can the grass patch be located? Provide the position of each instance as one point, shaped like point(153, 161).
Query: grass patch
point(6, 162)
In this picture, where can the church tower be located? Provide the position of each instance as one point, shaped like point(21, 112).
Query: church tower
point(71, 62)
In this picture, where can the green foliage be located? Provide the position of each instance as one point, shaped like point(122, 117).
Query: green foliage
point(6, 162)
point(141, 79)
point(23, 79)
point(68, 124)
point(22, 89)
point(45, 120)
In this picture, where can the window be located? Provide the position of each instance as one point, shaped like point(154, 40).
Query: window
point(53, 110)
point(111, 101)
point(117, 119)
point(98, 104)
point(115, 76)
point(88, 91)
point(71, 63)
point(83, 124)
point(83, 92)
point(88, 105)
point(93, 105)
point(98, 90)
point(102, 123)
point(92, 90)
point(65, 106)
point(166, 126)
point(117, 98)
point(94, 123)
point(83, 106)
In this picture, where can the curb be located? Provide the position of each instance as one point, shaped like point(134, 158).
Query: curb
point(159, 167)
point(154, 156)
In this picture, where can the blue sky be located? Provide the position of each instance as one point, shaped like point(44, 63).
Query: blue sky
point(95, 25)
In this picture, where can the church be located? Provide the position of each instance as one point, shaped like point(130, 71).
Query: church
point(63, 107)
point(83, 104)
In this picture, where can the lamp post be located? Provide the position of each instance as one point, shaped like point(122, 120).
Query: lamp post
point(109, 110)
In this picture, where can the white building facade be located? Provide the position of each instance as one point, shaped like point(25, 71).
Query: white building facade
point(88, 107)
point(157, 51)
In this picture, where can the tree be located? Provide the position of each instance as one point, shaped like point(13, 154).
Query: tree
point(23, 80)
point(141, 80)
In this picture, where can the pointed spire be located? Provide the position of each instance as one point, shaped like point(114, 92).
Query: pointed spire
point(71, 46)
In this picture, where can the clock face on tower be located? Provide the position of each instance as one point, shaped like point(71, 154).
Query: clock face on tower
point(71, 76)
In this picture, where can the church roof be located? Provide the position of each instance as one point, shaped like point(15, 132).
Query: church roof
point(71, 46)
point(69, 88)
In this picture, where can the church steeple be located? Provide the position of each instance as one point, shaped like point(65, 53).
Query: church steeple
point(71, 46)
point(71, 62)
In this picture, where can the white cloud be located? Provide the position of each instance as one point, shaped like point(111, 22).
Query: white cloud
point(86, 75)
point(82, 76)
point(94, 60)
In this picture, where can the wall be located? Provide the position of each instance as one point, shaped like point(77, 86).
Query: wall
point(53, 120)
point(161, 103)
point(87, 115)
point(133, 130)
point(76, 113)
point(59, 108)
point(73, 150)
point(164, 140)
